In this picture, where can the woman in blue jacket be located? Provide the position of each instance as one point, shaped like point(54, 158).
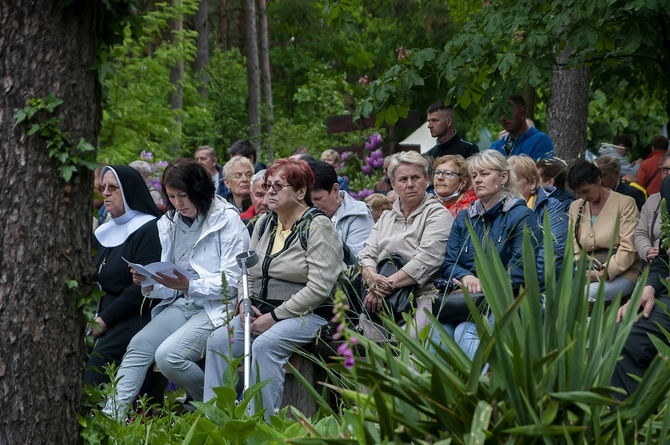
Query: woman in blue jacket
point(499, 216)
point(540, 200)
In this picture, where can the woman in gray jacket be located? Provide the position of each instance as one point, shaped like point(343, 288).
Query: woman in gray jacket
point(300, 259)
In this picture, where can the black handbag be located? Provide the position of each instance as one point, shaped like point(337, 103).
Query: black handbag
point(399, 301)
point(453, 308)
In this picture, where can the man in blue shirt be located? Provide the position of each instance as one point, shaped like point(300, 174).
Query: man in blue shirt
point(521, 138)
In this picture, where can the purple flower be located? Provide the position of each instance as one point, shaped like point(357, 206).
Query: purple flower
point(162, 164)
point(344, 156)
point(155, 183)
point(368, 160)
point(378, 163)
point(349, 363)
point(354, 341)
point(366, 169)
point(146, 155)
point(343, 349)
point(364, 194)
point(171, 386)
point(377, 154)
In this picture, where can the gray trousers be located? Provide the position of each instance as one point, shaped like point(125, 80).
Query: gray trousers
point(270, 351)
point(613, 287)
point(176, 338)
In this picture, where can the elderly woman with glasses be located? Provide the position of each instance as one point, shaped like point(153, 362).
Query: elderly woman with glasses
point(452, 183)
point(300, 259)
point(648, 230)
point(132, 235)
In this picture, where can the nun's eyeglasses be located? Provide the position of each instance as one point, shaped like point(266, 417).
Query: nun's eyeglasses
point(111, 187)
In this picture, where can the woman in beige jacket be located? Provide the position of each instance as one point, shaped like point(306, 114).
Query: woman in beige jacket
point(595, 216)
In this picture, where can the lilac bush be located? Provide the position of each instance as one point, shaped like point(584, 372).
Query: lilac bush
point(363, 175)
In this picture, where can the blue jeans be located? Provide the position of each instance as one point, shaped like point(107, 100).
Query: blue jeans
point(176, 339)
point(613, 287)
point(465, 334)
point(270, 351)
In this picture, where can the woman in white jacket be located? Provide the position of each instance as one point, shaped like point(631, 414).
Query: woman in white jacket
point(202, 234)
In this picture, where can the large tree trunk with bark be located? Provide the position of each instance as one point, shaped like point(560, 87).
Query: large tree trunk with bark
point(201, 25)
point(266, 76)
point(567, 110)
point(45, 47)
point(253, 74)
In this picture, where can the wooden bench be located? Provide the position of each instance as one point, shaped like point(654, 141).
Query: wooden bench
point(294, 392)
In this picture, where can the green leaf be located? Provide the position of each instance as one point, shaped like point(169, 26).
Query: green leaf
point(237, 431)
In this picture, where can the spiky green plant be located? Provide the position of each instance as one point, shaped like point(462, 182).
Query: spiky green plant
point(550, 363)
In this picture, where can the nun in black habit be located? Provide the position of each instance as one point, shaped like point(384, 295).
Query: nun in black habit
point(131, 235)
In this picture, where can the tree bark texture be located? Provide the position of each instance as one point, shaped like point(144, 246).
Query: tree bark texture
point(177, 72)
point(201, 25)
point(266, 75)
point(45, 47)
point(567, 110)
point(223, 24)
point(253, 74)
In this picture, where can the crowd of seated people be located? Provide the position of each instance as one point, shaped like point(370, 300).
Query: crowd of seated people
point(303, 226)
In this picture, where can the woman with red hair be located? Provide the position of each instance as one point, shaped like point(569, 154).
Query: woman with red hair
point(300, 258)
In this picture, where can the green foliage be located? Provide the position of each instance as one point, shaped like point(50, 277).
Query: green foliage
point(549, 368)
point(502, 46)
point(222, 118)
point(40, 113)
point(665, 225)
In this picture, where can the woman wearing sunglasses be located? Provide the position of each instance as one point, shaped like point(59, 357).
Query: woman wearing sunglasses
point(131, 234)
point(452, 183)
point(300, 258)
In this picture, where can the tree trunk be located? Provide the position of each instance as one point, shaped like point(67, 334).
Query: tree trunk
point(45, 47)
point(201, 25)
point(223, 24)
point(529, 96)
point(177, 72)
point(266, 76)
point(567, 110)
point(253, 74)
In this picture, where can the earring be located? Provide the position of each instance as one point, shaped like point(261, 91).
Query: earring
point(532, 192)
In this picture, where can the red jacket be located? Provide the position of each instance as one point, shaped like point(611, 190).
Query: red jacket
point(249, 213)
point(649, 168)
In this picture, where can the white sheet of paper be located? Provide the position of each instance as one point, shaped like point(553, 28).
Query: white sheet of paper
point(165, 268)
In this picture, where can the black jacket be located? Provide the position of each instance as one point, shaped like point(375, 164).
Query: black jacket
point(454, 146)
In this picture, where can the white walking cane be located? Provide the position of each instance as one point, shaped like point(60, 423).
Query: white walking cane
point(246, 260)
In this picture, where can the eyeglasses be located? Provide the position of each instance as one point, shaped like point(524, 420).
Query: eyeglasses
point(446, 174)
point(665, 170)
point(277, 187)
point(240, 175)
point(111, 187)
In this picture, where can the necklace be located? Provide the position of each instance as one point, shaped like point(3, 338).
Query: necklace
point(102, 264)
